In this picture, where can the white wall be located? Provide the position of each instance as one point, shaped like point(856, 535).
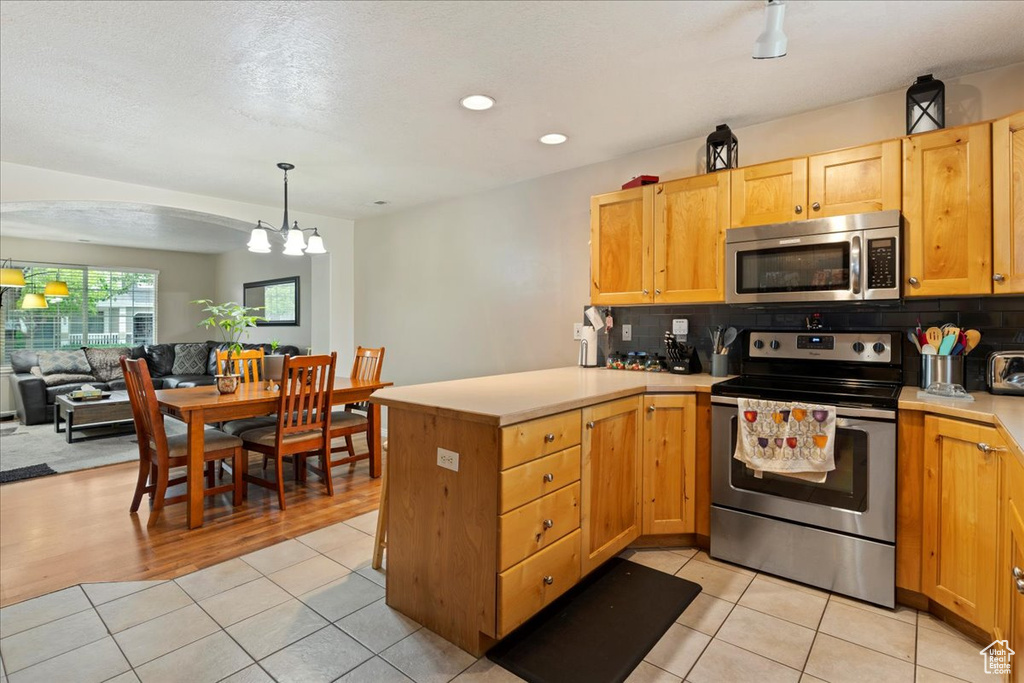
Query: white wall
point(235, 268)
point(492, 282)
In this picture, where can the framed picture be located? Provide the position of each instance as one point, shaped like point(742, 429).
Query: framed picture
point(278, 300)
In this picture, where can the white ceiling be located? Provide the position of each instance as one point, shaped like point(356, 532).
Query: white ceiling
point(121, 224)
point(206, 97)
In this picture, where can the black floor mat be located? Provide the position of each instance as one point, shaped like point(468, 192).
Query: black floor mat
point(23, 473)
point(600, 630)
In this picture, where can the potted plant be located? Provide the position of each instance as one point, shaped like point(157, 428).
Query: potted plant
point(232, 320)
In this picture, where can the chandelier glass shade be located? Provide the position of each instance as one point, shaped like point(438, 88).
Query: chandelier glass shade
point(294, 241)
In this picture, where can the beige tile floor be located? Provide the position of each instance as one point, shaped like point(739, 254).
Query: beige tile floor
point(311, 609)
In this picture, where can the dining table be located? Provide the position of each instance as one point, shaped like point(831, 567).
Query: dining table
point(199, 406)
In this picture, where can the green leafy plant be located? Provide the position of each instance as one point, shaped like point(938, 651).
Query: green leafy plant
point(232, 320)
point(274, 343)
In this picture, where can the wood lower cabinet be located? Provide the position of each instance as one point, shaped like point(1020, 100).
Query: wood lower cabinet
point(1010, 576)
point(1008, 205)
point(769, 193)
point(690, 219)
point(947, 212)
point(855, 180)
point(960, 518)
point(621, 246)
point(669, 464)
point(611, 447)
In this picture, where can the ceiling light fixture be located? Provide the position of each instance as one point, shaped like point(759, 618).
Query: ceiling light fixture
point(294, 241)
point(477, 102)
point(553, 139)
point(772, 41)
point(14, 278)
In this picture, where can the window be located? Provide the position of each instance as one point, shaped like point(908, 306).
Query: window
point(104, 307)
point(278, 300)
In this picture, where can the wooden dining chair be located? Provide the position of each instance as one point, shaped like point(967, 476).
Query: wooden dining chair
point(158, 452)
point(303, 421)
point(346, 422)
point(248, 363)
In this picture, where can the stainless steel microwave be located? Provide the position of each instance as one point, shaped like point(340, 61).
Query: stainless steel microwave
point(841, 258)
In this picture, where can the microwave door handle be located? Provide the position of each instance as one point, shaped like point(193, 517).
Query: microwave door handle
point(855, 263)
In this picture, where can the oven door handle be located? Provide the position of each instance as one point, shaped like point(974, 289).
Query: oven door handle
point(841, 411)
point(855, 263)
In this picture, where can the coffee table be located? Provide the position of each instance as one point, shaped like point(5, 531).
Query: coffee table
point(112, 411)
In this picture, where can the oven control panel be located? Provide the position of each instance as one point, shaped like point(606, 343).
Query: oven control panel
point(864, 347)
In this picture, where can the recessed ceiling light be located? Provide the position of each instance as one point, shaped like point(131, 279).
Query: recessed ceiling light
point(477, 102)
point(553, 139)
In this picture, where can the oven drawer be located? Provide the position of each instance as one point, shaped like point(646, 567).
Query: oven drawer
point(530, 440)
point(537, 478)
point(533, 583)
point(537, 525)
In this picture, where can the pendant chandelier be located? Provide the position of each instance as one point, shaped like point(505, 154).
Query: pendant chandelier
point(294, 241)
point(14, 278)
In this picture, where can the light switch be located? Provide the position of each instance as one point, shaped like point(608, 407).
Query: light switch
point(627, 333)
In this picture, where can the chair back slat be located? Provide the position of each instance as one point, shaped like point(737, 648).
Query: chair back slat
point(149, 422)
point(367, 364)
point(307, 383)
point(248, 363)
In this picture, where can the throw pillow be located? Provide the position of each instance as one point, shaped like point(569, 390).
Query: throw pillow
point(106, 363)
point(57, 378)
point(160, 359)
point(64, 362)
point(189, 359)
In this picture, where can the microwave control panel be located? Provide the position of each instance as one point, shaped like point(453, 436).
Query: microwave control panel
point(882, 263)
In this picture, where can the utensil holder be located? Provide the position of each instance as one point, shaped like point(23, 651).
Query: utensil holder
point(946, 369)
point(719, 364)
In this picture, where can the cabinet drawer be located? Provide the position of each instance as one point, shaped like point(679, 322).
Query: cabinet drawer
point(530, 585)
point(530, 440)
point(536, 478)
point(537, 525)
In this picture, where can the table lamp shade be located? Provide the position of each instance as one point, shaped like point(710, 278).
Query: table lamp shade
point(12, 277)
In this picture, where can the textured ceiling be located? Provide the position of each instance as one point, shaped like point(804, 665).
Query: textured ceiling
point(206, 97)
point(124, 225)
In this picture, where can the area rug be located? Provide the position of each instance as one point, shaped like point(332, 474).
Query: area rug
point(24, 446)
point(23, 473)
point(600, 630)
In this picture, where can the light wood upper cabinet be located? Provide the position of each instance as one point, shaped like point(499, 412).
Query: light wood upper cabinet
point(769, 193)
point(611, 478)
point(855, 180)
point(669, 464)
point(947, 211)
point(1008, 205)
point(621, 246)
point(690, 219)
point(960, 519)
point(1011, 596)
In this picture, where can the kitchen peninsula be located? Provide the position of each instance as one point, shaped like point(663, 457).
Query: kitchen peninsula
point(505, 490)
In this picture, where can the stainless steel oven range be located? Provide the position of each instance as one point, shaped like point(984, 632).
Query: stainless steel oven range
point(839, 535)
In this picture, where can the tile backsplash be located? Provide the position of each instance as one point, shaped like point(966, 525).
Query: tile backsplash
point(999, 319)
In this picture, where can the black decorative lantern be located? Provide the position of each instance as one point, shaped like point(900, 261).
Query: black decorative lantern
point(926, 105)
point(723, 150)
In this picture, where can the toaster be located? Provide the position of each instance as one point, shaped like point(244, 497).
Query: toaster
point(1006, 372)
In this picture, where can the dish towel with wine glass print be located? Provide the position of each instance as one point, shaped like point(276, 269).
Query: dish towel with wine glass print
point(792, 439)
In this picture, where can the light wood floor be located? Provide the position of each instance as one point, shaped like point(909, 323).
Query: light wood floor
point(72, 528)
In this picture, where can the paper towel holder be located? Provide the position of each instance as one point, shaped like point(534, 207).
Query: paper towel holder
point(588, 347)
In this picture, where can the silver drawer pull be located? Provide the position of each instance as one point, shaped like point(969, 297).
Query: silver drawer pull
point(549, 580)
point(985, 448)
point(1020, 586)
point(590, 425)
point(651, 409)
point(548, 523)
point(549, 477)
point(548, 438)
point(1018, 573)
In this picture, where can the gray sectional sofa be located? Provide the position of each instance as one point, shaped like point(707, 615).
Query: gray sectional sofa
point(37, 378)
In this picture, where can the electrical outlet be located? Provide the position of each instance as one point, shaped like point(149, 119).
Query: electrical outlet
point(627, 333)
point(577, 331)
point(680, 327)
point(448, 459)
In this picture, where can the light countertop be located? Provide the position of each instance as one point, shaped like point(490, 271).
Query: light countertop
point(508, 399)
point(1006, 412)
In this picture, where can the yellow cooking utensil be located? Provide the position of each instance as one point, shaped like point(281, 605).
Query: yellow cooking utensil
point(973, 339)
point(934, 336)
